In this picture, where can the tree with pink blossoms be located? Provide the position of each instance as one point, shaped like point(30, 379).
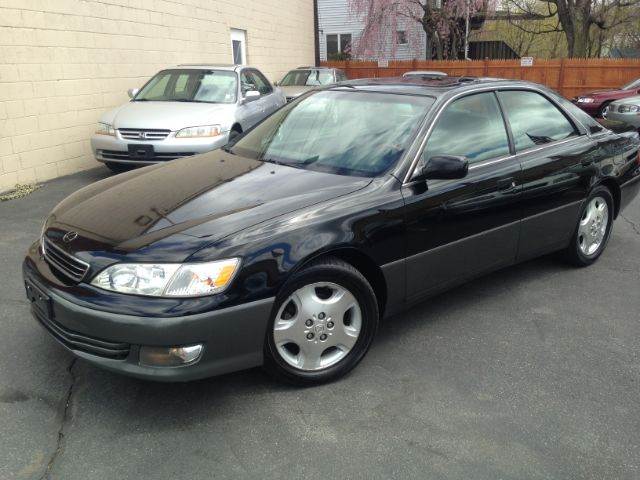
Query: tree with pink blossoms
point(443, 21)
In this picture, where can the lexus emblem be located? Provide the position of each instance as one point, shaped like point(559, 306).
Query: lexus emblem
point(69, 237)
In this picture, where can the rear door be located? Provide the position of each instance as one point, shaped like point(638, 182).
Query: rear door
point(457, 229)
point(556, 160)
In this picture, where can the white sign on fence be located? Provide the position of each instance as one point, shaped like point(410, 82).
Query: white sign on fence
point(383, 63)
point(526, 62)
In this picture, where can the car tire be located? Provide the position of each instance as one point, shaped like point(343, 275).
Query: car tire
point(322, 324)
point(602, 109)
point(593, 229)
point(117, 167)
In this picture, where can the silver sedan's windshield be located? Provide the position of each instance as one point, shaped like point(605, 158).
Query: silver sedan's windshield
point(344, 132)
point(190, 85)
point(632, 85)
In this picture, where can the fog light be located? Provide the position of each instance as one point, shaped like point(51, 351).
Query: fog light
point(170, 356)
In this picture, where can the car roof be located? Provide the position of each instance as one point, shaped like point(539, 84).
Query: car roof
point(431, 86)
point(209, 66)
point(314, 68)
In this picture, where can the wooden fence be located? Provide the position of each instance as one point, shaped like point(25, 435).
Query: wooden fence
point(570, 77)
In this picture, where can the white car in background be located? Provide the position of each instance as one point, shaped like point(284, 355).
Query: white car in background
point(183, 111)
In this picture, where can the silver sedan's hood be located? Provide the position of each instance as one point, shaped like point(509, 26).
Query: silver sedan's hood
point(627, 101)
point(170, 115)
point(295, 90)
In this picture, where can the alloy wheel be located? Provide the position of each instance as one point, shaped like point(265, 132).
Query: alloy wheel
point(317, 326)
point(592, 230)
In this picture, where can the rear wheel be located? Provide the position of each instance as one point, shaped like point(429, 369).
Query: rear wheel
point(593, 230)
point(323, 323)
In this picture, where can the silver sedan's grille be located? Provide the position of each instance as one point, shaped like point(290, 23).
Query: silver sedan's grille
point(64, 263)
point(143, 134)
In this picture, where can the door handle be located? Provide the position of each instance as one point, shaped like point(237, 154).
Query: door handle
point(506, 183)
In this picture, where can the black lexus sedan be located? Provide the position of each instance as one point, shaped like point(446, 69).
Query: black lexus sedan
point(345, 206)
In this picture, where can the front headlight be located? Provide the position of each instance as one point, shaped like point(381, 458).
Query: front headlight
point(198, 132)
point(105, 129)
point(168, 279)
point(628, 109)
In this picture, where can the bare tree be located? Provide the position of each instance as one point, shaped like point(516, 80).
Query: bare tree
point(585, 23)
point(441, 20)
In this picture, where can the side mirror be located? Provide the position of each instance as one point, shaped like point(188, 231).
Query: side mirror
point(132, 92)
point(445, 167)
point(250, 96)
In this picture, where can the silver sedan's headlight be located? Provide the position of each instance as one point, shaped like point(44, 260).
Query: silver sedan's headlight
point(105, 129)
point(199, 132)
point(628, 109)
point(168, 279)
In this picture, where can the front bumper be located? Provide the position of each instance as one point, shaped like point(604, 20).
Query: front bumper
point(632, 119)
point(233, 337)
point(116, 149)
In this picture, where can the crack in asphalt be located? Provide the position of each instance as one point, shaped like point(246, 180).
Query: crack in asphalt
point(63, 424)
point(633, 225)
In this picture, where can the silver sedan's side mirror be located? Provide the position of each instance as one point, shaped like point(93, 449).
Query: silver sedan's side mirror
point(133, 92)
point(250, 96)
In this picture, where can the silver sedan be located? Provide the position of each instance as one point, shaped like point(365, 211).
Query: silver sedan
point(183, 111)
point(626, 110)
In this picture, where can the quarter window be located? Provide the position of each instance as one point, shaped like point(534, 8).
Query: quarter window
point(471, 127)
point(534, 120)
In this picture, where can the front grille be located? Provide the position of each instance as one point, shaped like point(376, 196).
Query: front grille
point(157, 156)
point(64, 263)
point(78, 341)
point(143, 134)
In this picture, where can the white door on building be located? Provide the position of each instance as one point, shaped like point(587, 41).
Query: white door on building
point(238, 46)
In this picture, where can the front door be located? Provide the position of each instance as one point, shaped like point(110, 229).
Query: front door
point(457, 229)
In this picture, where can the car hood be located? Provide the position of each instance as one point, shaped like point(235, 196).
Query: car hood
point(167, 212)
point(615, 93)
point(169, 115)
point(635, 100)
point(295, 90)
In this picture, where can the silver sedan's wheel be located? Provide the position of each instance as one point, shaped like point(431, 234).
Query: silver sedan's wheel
point(593, 226)
point(317, 326)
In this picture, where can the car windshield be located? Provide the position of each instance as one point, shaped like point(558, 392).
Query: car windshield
point(299, 78)
point(344, 132)
point(190, 85)
point(632, 85)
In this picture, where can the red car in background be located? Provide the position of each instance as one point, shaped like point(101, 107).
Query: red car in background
point(595, 102)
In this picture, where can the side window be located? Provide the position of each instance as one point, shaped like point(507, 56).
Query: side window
point(247, 81)
point(534, 120)
point(471, 127)
point(340, 76)
point(264, 87)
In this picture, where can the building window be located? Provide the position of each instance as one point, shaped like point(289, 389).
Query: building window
point(401, 37)
point(338, 46)
point(238, 46)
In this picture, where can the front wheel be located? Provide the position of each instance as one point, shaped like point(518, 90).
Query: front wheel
point(593, 229)
point(323, 323)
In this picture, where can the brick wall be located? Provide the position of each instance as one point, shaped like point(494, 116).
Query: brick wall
point(64, 62)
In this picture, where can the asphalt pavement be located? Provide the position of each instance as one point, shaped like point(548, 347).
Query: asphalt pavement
point(530, 373)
